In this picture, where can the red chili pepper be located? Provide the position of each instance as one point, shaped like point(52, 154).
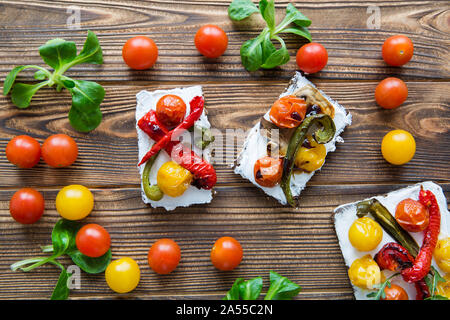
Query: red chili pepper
point(395, 257)
point(204, 174)
point(422, 263)
point(196, 105)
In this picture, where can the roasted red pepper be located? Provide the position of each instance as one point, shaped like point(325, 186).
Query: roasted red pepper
point(395, 257)
point(204, 174)
point(422, 263)
point(196, 109)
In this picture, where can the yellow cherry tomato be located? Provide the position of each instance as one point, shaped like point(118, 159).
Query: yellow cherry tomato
point(365, 272)
point(365, 234)
point(398, 147)
point(442, 254)
point(443, 288)
point(74, 202)
point(123, 275)
point(173, 179)
point(312, 157)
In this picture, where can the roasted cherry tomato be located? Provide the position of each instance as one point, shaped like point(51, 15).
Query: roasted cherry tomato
point(170, 110)
point(26, 206)
point(395, 292)
point(211, 41)
point(268, 171)
point(311, 155)
point(74, 202)
point(411, 215)
point(93, 240)
point(398, 147)
point(59, 150)
point(226, 254)
point(365, 234)
point(365, 272)
point(288, 112)
point(173, 179)
point(442, 254)
point(23, 151)
point(140, 53)
point(391, 93)
point(312, 57)
point(123, 275)
point(164, 256)
point(397, 50)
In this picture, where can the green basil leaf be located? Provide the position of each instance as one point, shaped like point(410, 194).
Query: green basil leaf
point(281, 288)
point(63, 236)
point(61, 291)
point(278, 57)
point(85, 114)
point(241, 9)
point(58, 52)
point(300, 31)
point(10, 78)
point(267, 47)
point(40, 75)
point(91, 52)
point(250, 289)
point(22, 93)
point(267, 9)
point(251, 54)
point(233, 293)
point(91, 265)
point(296, 16)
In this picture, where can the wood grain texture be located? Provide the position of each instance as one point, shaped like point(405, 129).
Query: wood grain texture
point(172, 24)
point(299, 243)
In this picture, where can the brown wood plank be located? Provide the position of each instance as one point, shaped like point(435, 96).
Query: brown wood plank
point(354, 50)
point(108, 155)
point(300, 244)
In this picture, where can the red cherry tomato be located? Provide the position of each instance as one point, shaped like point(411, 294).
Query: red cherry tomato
point(395, 292)
point(140, 53)
point(411, 215)
point(170, 110)
point(93, 240)
point(23, 151)
point(164, 256)
point(26, 206)
point(397, 50)
point(59, 150)
point(391, 93)
point(211, 41)
point(288, 112)
point(226, 254)
point(312, 57)
point(268, 171)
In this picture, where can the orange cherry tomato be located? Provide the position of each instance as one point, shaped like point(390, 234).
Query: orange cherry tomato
point(397, 50)
point(211, 41)
point(391, 93)
point(395, 292)
point(23, 151)
point(170, 110)
point(268, 171)
point(164, 256)
point(140, 53)
point(226, 254)
point(59, 150)
point(288, 112)
point(411, 215)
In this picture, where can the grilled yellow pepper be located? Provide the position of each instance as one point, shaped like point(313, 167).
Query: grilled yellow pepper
point(312, 156)
point(173, 179)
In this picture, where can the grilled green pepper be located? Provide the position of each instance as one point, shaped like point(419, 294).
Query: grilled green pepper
point(205, 137)
point(323, 134)
point(153, 192)
point(388, 222)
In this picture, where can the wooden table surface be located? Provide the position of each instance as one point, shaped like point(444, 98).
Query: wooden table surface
point(299, 243)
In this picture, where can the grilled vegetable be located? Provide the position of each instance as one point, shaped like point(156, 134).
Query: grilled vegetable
point(153, 192)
